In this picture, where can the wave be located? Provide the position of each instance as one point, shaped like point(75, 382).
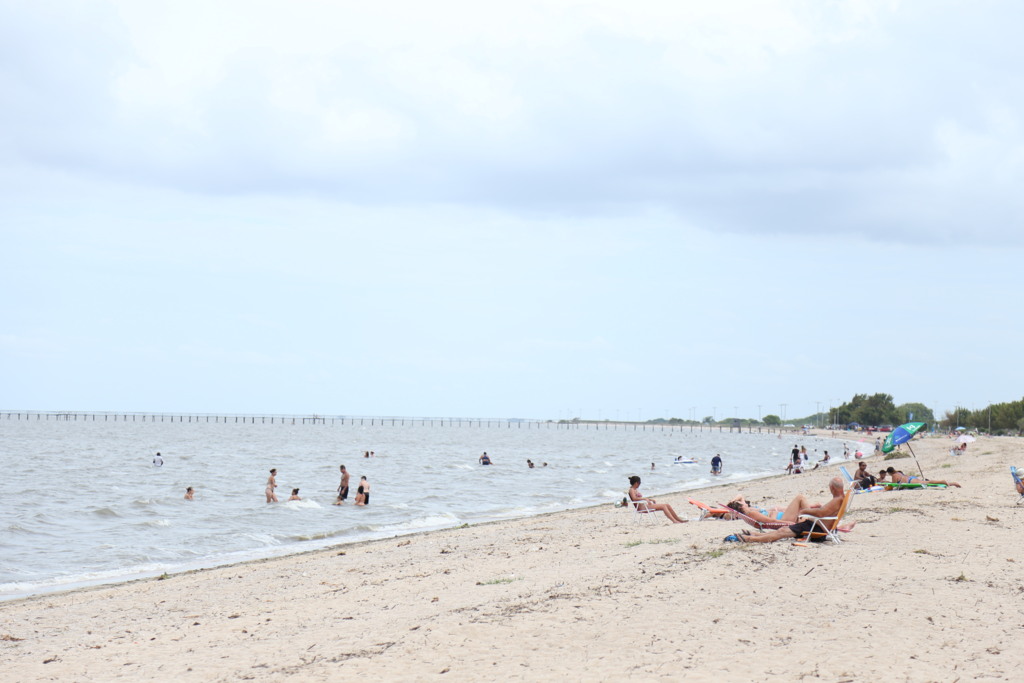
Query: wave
point(154, 523)
point(429, 522)
point(299, 504)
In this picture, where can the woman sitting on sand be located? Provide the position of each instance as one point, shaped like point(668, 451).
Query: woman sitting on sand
point(635, 496)
point(363, 492)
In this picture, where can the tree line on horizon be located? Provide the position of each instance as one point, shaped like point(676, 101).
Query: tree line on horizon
point(878, 410)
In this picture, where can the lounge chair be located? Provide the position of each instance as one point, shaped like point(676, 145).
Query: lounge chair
point(1017, 483)
point(778, 524)
point(708, 512)
point(828, 526)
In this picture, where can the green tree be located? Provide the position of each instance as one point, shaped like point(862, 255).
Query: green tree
point(920, 411)
point(772, 420)
point(874, 410)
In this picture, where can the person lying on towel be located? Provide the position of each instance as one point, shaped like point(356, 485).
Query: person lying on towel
point(897, 477)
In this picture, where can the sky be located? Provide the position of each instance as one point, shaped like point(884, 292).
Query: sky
point(612, 210)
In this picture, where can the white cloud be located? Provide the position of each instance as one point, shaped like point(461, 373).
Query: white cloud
point(800, 117)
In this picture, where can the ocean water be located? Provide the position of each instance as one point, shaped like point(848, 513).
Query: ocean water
point(85, 504)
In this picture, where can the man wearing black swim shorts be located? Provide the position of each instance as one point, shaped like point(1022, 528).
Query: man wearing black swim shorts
point(342, 487)
point(801, 529)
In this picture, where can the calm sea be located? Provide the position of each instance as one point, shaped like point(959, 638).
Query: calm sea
point(86, 505)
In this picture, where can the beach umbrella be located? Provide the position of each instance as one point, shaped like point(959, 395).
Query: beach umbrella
point(966, 438)
point(902, 435)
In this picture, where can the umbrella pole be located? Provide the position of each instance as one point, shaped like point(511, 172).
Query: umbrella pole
point(915, 459)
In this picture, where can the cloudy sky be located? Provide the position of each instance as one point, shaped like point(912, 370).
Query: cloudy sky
point(539, 209)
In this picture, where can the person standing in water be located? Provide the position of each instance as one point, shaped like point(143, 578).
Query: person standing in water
point(271, 485)
point(484, 460)
point(189, 493)
point(363, 492)
point(716, 464)
point(295, 495)
point(342, 487)
point(157, 460)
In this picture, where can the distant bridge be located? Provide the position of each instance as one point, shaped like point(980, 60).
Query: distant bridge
point(317, 419)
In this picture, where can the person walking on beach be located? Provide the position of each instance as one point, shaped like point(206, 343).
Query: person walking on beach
point(342, 487)
point(271, 485)
point(158, 461)
point(363, 492)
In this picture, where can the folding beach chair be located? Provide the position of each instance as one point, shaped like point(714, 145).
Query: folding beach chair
point(641, 509)
point(828, 526)
point(708, 512)
point(1017, 483)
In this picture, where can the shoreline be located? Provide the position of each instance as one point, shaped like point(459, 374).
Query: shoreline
point(278, 553)
point(584, 594)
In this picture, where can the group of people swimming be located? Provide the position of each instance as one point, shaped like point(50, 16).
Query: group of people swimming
point(362, 493)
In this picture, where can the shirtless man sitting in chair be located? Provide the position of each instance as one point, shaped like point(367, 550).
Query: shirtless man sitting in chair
point(800, 529)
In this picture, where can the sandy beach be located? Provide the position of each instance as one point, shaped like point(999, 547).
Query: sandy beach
point(929, 586)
